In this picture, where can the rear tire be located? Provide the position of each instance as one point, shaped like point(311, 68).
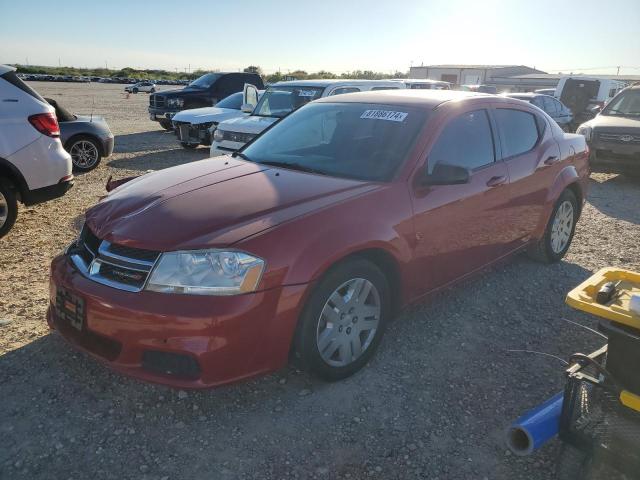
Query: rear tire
point(166, 124)
point(344, 320)
point(85, 151)
point(560, 230)
point(8, 207)
point(135, 90)
point(153, 90)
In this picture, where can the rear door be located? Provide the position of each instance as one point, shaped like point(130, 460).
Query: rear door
point(532, 157)
point(460, 228)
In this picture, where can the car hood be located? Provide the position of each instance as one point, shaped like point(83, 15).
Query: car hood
point(176, 92)
point(207, 114)
point(250, 124)
point(615, 123)
point(212, 203)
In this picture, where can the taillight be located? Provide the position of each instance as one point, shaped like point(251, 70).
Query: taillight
point(46, 124)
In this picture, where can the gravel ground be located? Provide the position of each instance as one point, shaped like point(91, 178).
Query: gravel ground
point(433, 403)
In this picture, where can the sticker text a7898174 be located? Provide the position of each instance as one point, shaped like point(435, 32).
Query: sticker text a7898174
point(385, 115)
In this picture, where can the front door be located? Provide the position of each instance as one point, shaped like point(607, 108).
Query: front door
point(460, 228)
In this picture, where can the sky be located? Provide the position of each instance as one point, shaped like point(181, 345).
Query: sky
point(589, 36)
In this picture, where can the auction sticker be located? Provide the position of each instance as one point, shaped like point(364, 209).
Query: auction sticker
point(306, 93)
point(385, 115)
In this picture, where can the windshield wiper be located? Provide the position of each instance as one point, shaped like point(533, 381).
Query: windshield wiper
point(292, 166)
point(241, 155)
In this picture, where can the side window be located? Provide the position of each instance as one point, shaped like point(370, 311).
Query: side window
point(385, 88)
point(550, 106)
point(518, 129)
point(341, 90)
point(466, 141)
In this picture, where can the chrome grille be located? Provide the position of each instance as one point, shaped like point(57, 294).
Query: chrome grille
point(156, 101)
point(118, 266)
point(619, 138)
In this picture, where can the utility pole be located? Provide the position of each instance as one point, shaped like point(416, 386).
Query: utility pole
point(618, 72)
point(105, 65)
point(59, 64)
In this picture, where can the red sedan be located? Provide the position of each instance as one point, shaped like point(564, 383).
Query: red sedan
point(312, 236)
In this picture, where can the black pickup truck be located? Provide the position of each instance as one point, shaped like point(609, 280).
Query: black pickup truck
point(205, 91)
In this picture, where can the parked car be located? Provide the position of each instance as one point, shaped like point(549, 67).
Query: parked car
point(196, 127)
point(585, 96)
point(546, 91)
point(552, 106)
point(276, 249)
point(147, 87)
point(279, 100)
point(33, 165)
point(424, 84)
point(479, 89)
point(205, 91)
point(614, 134)
point(87, 138)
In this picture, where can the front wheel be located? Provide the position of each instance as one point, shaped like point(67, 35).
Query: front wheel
point(166, 124)
point(560, 230)
point(135, 90)
point(85, 153)
point(8, 207)
point(153, 90)
point(344, 320)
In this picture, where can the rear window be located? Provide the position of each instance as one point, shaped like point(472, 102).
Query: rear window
point(519, 131)
point(14, 80)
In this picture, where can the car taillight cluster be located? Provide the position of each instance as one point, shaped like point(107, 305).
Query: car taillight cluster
point(46, 124)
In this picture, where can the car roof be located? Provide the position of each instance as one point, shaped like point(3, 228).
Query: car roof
point(323, 82)
point(524, 95)
point(428, 99)
point(6, 68)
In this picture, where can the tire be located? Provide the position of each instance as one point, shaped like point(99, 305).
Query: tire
point(166, 124)
point(8, 207)
point(327, 339)
point(85, 151)
point(135, 90)
point(189, 146)
point(557, 238)
point(153, 90)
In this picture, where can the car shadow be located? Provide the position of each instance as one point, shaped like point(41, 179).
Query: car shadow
point(616, 196)
point(144, 141)
point(159, 160)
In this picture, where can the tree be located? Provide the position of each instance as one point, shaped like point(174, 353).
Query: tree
point(253, 69)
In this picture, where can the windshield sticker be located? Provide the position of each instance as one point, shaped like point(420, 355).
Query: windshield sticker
point(306, 93)
point(385, 115)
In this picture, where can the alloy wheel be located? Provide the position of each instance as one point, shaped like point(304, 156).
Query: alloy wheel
point(84, 154)
point(348, 322)
point(4, 210)
point(562, 227)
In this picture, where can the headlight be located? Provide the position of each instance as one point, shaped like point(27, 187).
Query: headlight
point(585, 131)
point(175, 102)
point(206, 272)
point(218, 135)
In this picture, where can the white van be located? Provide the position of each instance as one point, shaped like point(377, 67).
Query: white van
point(584, 94)
point(278, 101)
point(34, 166)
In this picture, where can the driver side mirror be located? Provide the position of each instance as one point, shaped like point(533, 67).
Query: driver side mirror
point(246, 108)
point(444, 174)
point(596, 110)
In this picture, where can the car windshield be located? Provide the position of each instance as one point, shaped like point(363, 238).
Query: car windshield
point(281, 101)
point(233, 101)
point(350, 140)
point(625, 104)
point(205, 81)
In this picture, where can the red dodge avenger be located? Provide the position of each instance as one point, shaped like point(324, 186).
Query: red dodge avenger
point(310, 238)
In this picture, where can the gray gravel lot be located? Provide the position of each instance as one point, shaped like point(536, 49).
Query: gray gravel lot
point(433, 403)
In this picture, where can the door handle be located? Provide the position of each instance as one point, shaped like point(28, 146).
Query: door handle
point(551, 160)
point(495, 181)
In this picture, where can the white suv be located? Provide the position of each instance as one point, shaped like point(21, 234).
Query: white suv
point(148, 87)
point(278, 101)
point(34, 166)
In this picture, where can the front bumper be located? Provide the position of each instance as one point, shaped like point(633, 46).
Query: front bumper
point(227, 338)
point(610, 157)
point(157, 114)
point(194, 134)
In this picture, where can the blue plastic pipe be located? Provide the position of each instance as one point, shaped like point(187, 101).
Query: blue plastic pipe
point(536, 427)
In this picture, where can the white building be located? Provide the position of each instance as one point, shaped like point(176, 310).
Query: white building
point(469, 74)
